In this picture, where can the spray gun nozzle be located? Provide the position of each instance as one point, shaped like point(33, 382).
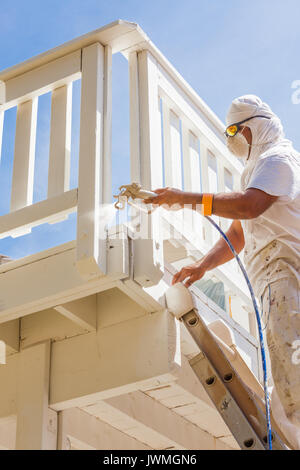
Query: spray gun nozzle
point(133, 191)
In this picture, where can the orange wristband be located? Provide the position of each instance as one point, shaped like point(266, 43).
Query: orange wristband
point(207, 200)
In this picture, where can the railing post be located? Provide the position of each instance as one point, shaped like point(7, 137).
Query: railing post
point(107, 126)
point(33, 398)
point(146, 161)
point(90, 185)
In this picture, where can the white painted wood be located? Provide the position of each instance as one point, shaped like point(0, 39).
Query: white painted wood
point(135, 164)
point(148, 247)
point(52, 429)
point(150, 151)
point(114, 306)
point(139, 295)
point(191, 161)
point(167, 143)
point(108, 35)
point(1, 130)
point(57, 264)
point(78, 428)
point(23, 170)
point(121, 36)
point(66, 284)
point(8, 375)
point(236, 182)
point(43, 79)
point(192, 176)
point(107, 126)
point(183, 107)
point(131, 426)
point(228, 180)
point(76, 444)
point(148, 252)
point(118, 255)
point(176, 150)
point(170, 419)
point(115, 360)
point(10, 334)
point(8, 433)
point(44, 325)
point(90, 162)
point(81, 311)
point(2, 93)
point(2, 352)
point(32, 398)
point(22, 220)
point(220, 174)
point(172, 148)
point(60, 141)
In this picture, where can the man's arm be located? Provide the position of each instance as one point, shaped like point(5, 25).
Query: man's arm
point(247, 205)
point(219, 254)
point(236, 205)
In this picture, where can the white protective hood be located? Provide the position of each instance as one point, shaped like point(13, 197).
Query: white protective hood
point(266, 133)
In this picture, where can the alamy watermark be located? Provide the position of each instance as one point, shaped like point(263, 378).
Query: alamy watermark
point(296, 94)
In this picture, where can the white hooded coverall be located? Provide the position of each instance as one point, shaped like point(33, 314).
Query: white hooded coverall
point(272, 243)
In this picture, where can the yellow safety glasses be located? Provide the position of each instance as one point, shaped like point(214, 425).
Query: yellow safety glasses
point(233, 129)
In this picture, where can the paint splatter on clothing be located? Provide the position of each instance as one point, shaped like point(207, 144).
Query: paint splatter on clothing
point(280, 303)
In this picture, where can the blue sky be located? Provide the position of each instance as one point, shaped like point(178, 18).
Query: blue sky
point(222, 48)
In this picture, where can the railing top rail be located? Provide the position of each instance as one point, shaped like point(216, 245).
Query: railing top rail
point(116, 34)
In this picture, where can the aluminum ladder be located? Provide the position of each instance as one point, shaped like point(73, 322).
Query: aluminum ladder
point(241, 409)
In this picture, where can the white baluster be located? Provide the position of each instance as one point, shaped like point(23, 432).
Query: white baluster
point(23, 169)
point(192, 176)
point(60, 141)
point(191, 161)
point(172, 150)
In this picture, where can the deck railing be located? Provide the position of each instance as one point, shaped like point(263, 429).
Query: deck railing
point(93, 65)
point(175, 140)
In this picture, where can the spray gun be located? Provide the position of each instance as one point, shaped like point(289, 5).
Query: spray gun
point(133, 191)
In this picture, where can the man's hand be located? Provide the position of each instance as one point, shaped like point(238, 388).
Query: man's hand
point(193, 272)
point(167, 196)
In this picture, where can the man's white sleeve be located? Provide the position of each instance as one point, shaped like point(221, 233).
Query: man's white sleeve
point(276, 175)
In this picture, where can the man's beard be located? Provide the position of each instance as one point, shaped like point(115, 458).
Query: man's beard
point(238, 145)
